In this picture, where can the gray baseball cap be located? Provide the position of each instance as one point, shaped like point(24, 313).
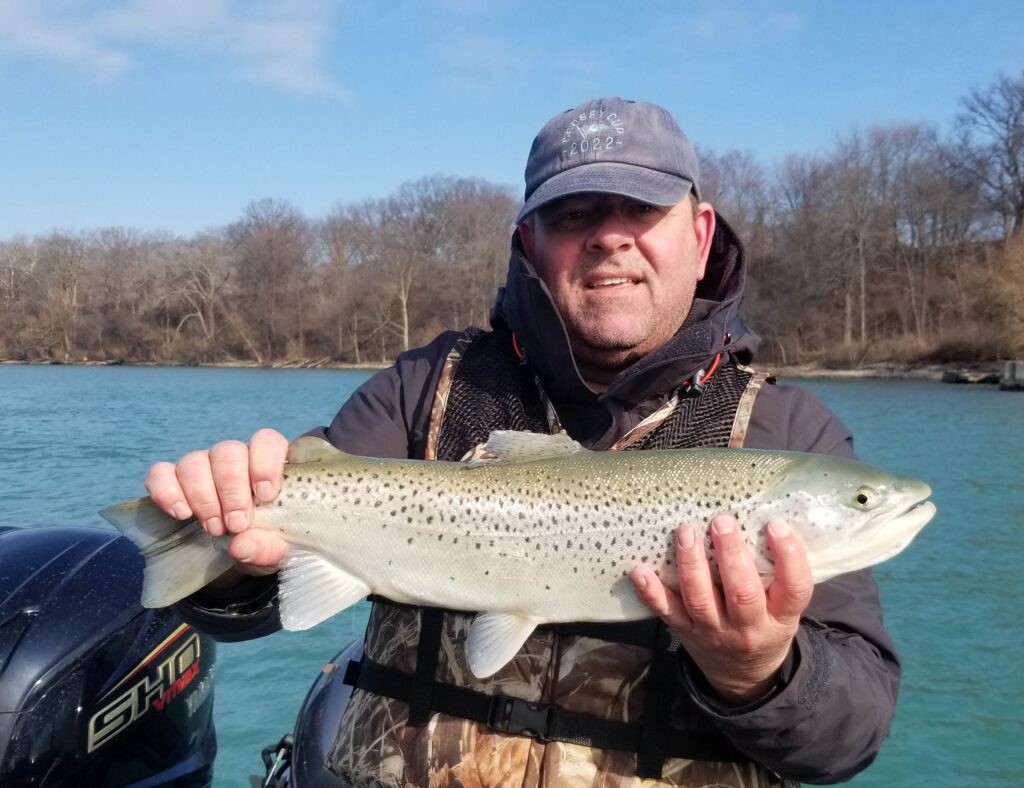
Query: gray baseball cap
point(614, 146)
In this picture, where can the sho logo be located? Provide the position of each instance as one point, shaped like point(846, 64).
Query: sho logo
point(159, 685)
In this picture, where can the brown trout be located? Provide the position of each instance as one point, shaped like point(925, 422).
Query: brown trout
point(539, 531)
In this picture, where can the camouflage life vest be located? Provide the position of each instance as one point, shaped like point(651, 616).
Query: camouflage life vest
point(580, 704)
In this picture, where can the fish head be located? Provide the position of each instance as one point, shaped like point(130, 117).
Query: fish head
point(849, 515)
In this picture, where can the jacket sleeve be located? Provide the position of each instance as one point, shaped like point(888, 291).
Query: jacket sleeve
point(827, 719)
point(388, 416)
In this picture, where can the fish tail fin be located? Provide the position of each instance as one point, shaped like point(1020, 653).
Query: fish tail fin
point(180, 556)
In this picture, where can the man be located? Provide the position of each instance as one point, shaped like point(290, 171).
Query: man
point(618, 323)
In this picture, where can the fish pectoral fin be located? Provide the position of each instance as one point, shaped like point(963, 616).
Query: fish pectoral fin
point(493, 639)
point(312, 589)
point(309, 448)
point(514, 446)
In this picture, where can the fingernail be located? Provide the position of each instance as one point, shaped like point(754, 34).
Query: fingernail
point(245, 552)
point(236, 521)
point(214, 526)
point(780, 529)
point(686, 537)
point(640, 582)
point(180, 510)
point(724, 525)
point(264, 491)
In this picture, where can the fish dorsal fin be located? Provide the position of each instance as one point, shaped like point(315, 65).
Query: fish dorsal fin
point(493, 639)
point(313, 589)
point(309, 448)
point(514, 446)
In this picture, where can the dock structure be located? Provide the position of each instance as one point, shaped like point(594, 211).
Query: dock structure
point(1013, 376)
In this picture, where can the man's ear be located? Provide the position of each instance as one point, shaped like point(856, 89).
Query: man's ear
point(527, 238)
point(704, 231)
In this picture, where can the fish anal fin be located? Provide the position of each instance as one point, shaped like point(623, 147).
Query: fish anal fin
point(515, 446)
point(493, 639)
point(313, 589)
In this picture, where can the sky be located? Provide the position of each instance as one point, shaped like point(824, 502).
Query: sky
point(173, 115)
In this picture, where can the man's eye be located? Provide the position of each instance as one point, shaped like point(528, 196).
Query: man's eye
point(570, 218)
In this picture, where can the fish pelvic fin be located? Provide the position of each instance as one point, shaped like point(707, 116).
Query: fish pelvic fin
point(180, 556)
point(515, 446)
point(493, 639)
point(312, 589)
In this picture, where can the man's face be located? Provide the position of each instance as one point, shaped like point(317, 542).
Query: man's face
point(622, 272)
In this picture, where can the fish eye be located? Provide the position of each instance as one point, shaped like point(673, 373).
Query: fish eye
point(865, 498)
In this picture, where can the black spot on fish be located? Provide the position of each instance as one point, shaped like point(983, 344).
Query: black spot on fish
point(430, 519)
point(547, 587)
point(280, 503)
point(409, 540)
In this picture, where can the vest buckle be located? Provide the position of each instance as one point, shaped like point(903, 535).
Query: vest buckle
point(518, 717)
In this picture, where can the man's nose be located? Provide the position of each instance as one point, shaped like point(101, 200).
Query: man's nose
point(611, 233)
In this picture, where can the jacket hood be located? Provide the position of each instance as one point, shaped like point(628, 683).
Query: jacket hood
point(525, 306)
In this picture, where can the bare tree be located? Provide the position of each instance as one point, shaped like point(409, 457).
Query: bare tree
point(989, 147)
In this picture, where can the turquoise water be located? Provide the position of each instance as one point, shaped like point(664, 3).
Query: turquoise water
point(75, 439)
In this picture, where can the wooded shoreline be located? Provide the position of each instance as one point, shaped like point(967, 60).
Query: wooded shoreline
point(899, 249)
point(979, 373)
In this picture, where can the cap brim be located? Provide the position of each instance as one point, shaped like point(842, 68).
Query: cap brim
point(628, 180)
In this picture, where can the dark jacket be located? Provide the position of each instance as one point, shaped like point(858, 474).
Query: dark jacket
point(827, 719)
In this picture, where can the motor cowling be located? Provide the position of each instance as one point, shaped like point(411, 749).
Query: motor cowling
point(94, 689)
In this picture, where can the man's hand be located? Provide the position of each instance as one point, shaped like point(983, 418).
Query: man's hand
point(738, 635)
point(220, 487)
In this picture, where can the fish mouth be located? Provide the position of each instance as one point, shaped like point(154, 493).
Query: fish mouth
point(909, 522)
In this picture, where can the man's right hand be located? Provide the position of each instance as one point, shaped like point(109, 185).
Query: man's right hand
point(220, 486)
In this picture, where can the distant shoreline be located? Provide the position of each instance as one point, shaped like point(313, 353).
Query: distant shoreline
point(951, 372)
point(302, 364)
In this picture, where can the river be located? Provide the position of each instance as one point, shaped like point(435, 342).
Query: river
point(76, 439)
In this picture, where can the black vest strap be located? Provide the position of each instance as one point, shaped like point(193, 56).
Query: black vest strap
point(517, 717)
point(427, 651)
point(655, 725)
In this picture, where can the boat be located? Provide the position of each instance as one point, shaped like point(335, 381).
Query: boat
point(96, 690)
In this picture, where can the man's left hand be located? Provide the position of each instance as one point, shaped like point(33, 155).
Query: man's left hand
point(739, 634)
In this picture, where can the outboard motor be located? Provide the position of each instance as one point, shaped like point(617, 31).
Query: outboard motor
point(94, 689)
point(297, 760)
